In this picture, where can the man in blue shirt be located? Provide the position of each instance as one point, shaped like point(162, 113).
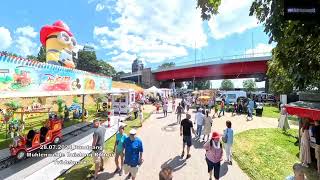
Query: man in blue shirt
point(133, 150)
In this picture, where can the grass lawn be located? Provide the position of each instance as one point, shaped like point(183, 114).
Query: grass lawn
point(271, 111)
point(83, 170)
point(268, 153)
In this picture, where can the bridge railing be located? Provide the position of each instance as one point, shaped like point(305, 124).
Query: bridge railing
point(182, 62)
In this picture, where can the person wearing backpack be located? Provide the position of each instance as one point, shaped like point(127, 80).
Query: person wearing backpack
point(213, 155)
point(228, 141)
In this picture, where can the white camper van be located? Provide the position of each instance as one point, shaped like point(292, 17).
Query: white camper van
point(232, 96)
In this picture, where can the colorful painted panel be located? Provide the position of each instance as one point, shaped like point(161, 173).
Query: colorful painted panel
point(26, 78)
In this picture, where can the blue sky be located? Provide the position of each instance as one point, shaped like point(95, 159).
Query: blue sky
point(155, 31)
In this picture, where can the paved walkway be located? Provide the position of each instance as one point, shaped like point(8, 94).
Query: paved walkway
point(163, 146)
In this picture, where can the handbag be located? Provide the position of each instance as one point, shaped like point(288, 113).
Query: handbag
point(225, 137)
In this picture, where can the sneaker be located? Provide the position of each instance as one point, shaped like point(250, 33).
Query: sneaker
point(120, 172)
point(188, 156)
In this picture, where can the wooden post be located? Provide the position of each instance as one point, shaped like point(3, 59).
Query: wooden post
point(83, 110)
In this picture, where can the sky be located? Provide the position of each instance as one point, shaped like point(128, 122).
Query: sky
point(154, 31)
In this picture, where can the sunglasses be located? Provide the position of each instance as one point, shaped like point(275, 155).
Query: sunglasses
point(64, 38)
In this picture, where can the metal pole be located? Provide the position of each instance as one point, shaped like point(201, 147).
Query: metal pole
point(83, 108)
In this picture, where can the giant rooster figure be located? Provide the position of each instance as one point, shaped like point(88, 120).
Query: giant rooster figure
point(59, 43)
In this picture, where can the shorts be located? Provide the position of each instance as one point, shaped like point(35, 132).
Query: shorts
point(129, 169)
point(97, 156)
point(317, 152)
point(119, 153)
point(187, 139)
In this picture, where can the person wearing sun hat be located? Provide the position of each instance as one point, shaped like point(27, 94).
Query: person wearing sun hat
point(59, 43)
point(214, 152)
point(133, 150)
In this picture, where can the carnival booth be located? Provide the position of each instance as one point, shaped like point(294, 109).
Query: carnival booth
point(153, 91)
point(307, 110)
point(166, 92)
point(122, 100)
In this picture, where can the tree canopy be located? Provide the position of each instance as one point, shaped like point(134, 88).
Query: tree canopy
point(167, 65)
point(227, 84)
point(296, 57)
point(249, 85)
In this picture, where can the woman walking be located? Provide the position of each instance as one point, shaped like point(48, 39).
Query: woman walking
point(173, 105)
point(214, 153)
point(305, 156)
point(228, 136)
point(118, 149)
point(207, 126)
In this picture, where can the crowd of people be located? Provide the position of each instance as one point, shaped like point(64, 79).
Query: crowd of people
point(129, 148)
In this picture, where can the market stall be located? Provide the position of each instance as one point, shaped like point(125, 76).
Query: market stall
point(166, 92)
point(307, 109)
point(122, 100)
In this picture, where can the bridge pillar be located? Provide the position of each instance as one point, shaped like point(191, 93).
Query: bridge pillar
point(148, 79)
point(266, 86)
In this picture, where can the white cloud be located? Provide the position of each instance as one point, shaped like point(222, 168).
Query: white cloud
point(99, 7)
point(5, 38)
point(260, 50)
point(25, 46)
point(26, 31)
point(123, 61)
point(114, 52)
point(233, 18)
point(154, 30)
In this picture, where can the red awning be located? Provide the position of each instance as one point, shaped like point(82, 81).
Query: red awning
point(302, 110)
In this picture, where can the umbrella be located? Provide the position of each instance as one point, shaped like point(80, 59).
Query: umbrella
point(204, 97)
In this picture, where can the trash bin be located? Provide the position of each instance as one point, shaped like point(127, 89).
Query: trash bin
point(259, 111)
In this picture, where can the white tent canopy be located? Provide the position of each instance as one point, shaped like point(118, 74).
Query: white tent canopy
point(154, 89)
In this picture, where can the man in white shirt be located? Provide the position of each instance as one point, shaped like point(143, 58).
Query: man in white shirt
point(199, 121)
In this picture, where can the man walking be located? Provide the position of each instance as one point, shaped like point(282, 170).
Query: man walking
point(179, 111)
point(133, 150)
point(199, 120)
point(135, 110)
point(165, 109)
point(97, 146)
point(185, 131)
point(221, 108)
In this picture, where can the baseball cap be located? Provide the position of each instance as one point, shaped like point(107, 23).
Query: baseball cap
point(133, 132)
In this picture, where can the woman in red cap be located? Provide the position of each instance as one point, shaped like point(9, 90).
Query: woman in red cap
point(214, 153)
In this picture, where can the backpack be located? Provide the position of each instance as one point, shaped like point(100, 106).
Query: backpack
point(225, 137)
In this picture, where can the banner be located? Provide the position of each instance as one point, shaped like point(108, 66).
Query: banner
point(25, 78)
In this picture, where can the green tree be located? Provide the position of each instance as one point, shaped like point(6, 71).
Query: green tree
point(118, 75)
point(42, 54)
point(32, 57)
point(167, 65)
point(200, 84)
point(297, 50)
point(296, 54)
point(106, 69)
point(249, 85)
point(208, 8)
point(87, 61)
point(226, 84)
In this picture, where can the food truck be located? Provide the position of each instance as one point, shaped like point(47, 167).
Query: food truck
point(122, 100)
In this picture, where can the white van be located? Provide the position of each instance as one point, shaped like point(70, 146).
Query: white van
point(232, 96)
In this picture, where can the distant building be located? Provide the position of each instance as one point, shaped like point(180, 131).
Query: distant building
point(137, 65)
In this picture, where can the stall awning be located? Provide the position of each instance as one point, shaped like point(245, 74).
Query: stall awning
point(304, 109)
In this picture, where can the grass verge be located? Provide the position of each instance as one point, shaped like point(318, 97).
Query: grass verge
point(268, 154)
point(86, 167)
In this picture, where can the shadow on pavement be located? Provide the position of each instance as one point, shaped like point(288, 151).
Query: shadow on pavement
point(106, 175)
point(223, 169)
point(172, 124)
point(197, 144)
point(160, 117)
point(176, 163)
